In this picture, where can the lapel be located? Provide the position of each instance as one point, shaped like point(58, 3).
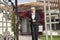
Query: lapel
point(31, 16)
point(35, 16)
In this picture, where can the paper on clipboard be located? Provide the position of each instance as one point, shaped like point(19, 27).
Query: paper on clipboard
point(40, 28)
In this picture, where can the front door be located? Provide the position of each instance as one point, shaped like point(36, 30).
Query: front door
point(25, 28)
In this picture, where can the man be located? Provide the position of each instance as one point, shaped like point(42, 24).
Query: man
point(34, 19)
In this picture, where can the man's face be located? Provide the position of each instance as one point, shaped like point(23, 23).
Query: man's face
point(33, 10)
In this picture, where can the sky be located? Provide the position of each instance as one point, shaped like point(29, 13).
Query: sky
point(23, 1)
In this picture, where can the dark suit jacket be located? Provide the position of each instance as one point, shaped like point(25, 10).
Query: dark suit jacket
point(37, 18)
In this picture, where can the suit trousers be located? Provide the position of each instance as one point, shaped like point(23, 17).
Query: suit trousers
point(34, 32)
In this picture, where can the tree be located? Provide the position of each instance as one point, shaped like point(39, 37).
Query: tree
point(13, 22)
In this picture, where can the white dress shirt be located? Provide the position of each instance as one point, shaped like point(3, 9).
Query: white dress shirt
point(33, 16)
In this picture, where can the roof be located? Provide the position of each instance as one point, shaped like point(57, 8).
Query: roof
point(38, 5)
point(5, 7)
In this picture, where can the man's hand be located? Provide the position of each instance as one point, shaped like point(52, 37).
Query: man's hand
point(34, 20)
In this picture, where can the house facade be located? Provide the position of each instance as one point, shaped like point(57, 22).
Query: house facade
point(24, 10)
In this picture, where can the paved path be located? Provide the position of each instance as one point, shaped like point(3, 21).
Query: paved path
point(25, 37)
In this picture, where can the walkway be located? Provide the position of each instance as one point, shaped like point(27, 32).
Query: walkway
point(25, 37)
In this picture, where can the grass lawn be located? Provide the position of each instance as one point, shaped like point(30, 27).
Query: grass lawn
point(54, 38)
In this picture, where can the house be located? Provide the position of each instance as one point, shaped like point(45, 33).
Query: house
point(24, 10)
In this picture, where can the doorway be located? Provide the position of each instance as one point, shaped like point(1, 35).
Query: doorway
point(25, 27)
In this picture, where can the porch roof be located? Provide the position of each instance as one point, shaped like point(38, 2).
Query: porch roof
point(38, 5)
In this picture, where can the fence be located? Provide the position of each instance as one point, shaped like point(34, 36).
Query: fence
point(6, 36)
